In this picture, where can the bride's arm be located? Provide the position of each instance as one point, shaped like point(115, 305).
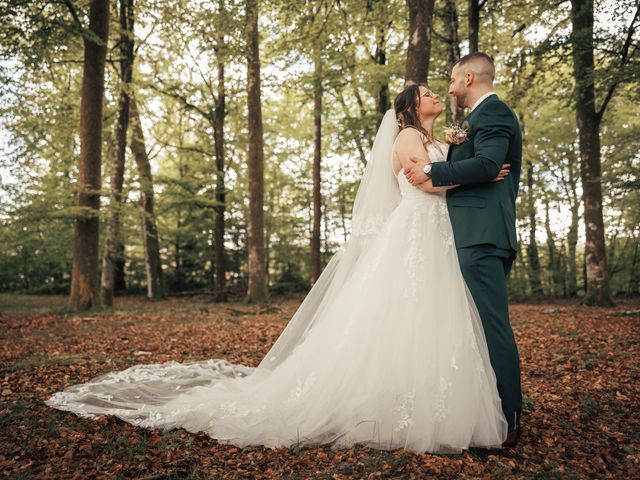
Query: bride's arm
point(409, 144)
point(409, 148)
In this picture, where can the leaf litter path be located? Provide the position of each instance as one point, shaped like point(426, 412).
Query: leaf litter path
point(580, 379)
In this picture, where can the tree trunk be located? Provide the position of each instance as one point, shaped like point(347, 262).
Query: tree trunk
point(474, 25)
point(555, 264)
point(572, 234)
point(257, 290)
point(117, 174)
point(119, 280)
point(218, 132)
point(532, 249)
point(419, 50)
point(153, 266)
point(589, 140)
point(632, 287)
point(572, 243)
point(317, 156)
point(84, 274)
point(112, 240)
point(454, 113)
point(381, 59)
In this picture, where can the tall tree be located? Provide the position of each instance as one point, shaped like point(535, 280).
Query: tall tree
point(455, 113)
point(570, 188)
point(317, 157)
point(588, 120)
point(218, 132)
point(153, 266)
point(380, 58)
point(84, 274)
point(555, 263)
point(419, 49)
point(257, 291)
point(535, 284)
point(475, 6)
point(210, 26)
point(117, 174)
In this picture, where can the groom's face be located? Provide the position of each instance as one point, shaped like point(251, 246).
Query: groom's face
point(457, 85)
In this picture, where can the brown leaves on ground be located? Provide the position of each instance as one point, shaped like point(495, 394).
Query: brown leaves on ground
point(580, 379)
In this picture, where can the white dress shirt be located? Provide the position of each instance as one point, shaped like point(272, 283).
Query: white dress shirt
point(481, 99)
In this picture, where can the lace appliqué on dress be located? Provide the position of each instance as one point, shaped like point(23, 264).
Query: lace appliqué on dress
point(367, 226)
point(302, 387)
point(405, 411)
point(441, 399)
point(416, 256)
point(444, 224)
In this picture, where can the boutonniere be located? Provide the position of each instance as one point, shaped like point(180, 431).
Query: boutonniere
point(457, 134)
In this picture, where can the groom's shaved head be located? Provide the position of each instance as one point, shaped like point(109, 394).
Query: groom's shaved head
point(480, 64)
point(471, 77)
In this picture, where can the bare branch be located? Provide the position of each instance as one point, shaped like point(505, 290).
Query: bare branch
point(624, 58)
point(74, 13)
point(170, 92)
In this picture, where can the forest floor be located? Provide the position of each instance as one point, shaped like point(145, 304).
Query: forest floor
point(580, 380)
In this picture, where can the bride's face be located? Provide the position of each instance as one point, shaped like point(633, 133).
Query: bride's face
point(428, 104)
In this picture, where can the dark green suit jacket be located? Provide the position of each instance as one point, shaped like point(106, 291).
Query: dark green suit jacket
point(481, 211)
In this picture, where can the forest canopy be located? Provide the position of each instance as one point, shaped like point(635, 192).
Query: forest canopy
point(188, 178)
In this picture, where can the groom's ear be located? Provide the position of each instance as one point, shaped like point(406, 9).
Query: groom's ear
point(468, 78)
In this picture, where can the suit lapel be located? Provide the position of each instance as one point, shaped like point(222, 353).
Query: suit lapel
point(482, 104)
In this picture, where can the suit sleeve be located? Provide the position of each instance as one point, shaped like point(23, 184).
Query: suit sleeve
point(492, 133)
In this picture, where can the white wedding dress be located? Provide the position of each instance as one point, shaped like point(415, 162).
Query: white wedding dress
point(394, 357)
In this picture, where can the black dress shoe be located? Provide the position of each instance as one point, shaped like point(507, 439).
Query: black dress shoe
point(513, 437)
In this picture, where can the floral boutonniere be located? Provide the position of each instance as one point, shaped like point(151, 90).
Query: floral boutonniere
point(457, 134)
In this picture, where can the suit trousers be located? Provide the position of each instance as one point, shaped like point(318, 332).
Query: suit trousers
point(484, 268)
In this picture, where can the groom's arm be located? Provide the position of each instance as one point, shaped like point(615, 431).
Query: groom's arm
point(492, 133)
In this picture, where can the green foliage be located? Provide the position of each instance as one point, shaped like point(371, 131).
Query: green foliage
point(178, 48)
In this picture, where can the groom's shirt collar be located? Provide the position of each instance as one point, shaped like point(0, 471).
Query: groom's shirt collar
point(479, 101)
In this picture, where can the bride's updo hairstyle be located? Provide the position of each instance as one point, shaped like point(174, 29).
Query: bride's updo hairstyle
point(405, 106)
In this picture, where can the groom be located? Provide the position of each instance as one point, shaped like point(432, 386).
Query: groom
point(483, 214)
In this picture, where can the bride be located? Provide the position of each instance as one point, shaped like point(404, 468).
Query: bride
point(386, 350)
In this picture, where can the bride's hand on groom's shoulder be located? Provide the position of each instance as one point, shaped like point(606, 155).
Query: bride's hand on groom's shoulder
point(415, 173)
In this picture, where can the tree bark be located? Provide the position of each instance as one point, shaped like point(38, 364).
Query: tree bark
point(555, 262)
point(153, 266)
point(474, 25)
point(119, 280)
point(117, 174)
point(84, 274)
point(589, 140)
point(419, 50)
point(572, 243)
point(317, 157)
point(454, 113)
point(381, 59)
point(257, 290)
point(572, 235)
point(535, 282)
point(634, 281)
point(218, 132)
